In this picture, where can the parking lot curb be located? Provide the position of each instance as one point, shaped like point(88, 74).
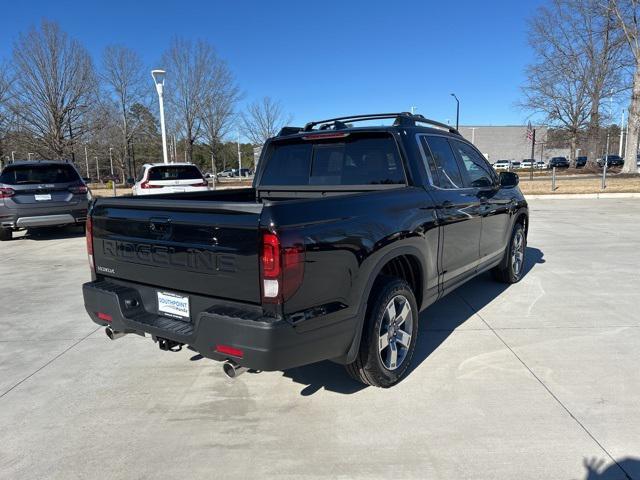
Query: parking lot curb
point(576, 196)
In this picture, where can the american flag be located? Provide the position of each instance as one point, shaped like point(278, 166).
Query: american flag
point(529, 132)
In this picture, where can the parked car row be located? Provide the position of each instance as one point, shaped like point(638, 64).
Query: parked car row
point(558, 162)
point(231, 172)
point(517, 165)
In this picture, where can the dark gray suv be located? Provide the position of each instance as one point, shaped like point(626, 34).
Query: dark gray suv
point(39, 194)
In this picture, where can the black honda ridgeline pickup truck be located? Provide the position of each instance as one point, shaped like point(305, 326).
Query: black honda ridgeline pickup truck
point(346, 235)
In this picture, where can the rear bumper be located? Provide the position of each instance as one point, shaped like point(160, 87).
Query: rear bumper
point(266, 343)
point(39, 217)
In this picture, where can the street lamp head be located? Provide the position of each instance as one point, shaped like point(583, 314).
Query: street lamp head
point(158, 76)
point(158, 79)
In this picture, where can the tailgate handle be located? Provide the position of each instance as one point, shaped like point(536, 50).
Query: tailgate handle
point(160, 226)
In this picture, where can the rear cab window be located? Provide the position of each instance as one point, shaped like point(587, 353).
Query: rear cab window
point(370, 158)
point(175, 172)
point(35, 174)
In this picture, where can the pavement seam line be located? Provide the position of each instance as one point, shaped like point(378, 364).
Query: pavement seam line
point(544, 385)
point(49, 362)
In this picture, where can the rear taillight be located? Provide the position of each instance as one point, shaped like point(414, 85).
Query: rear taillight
point(282, 268)
point(89, 232)
point(6, 192)
point(78, 189)
point(146, 184)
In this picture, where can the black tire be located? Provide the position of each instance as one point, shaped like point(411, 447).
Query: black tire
point(369, 366)
point(511, 270)
point(5, 234)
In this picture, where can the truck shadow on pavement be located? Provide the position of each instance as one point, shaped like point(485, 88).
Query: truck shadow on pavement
point(52, 233)
point(627, 468)
point(436, 323)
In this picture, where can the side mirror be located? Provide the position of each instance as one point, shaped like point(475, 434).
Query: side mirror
point(131, 182)
point(509, 179)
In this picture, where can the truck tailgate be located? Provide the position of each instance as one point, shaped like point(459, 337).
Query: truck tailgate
point(201, 247)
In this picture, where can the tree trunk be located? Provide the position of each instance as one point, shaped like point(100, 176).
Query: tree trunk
point(593, 139)
point(572, 149)
point(630, 158)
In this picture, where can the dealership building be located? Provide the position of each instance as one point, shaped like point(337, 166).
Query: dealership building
point(509, 142)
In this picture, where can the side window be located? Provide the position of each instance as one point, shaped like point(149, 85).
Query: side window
point(430, 162)
point(449, 175)
point(478, 173)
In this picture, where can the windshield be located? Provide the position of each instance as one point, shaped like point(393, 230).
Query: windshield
point(370, 159)
point(175, 172)
point(32, 174)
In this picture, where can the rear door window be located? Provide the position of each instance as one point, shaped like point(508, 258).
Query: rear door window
point(175, 172)
point(371, 159)
point(34, 174)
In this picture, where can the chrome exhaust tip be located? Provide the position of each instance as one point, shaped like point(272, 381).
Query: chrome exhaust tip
point(113, 335)
point(233, 370)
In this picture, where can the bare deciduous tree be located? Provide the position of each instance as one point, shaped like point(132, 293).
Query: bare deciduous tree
point(54, 85)
point(263, 119)
point(580, 61)
point(219, 104)
point(123, 74)
point(5, 112)
point(628, 15)
point(189, 71)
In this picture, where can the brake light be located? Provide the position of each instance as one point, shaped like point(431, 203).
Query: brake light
point(325, 136)
point(6, 192)
point(89, 233)
point(78, 189)
point(270, 255)
point(105, 316)
point(146, 184)
point(282, 268)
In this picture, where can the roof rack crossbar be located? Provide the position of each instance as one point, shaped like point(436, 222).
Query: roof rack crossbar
point(402, 118)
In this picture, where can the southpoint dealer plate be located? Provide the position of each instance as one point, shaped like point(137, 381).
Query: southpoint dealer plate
point(173, 305)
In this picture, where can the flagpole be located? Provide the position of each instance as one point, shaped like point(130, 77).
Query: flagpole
point(532, 133)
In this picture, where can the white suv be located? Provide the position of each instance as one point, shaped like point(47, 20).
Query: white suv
point(502, 165)
point(157, 178)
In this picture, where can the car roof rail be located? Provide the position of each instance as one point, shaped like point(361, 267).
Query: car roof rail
point(401, 119)
point(289, 131)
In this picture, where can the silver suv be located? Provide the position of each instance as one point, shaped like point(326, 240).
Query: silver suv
point(39, 194)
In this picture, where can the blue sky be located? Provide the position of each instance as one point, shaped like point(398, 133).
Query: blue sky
point(324, 59)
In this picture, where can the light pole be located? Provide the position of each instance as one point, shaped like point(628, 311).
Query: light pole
point(111, 160)
point(13, 158)
point(621, 134)
point(457, 111)
point(239, 158)
point(473, 135)
point(158, 79)
point(86, 160)
point(29, 155)
point(413, 110)
point(97, 169)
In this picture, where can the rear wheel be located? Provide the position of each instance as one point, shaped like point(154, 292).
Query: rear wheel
point(389, 335)
point(512, 269)
point(5, 234)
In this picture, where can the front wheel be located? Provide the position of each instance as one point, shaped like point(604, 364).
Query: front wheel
point(511, 268)
point(389, 335)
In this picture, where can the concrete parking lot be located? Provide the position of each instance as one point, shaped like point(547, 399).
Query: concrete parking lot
point(540, 380)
